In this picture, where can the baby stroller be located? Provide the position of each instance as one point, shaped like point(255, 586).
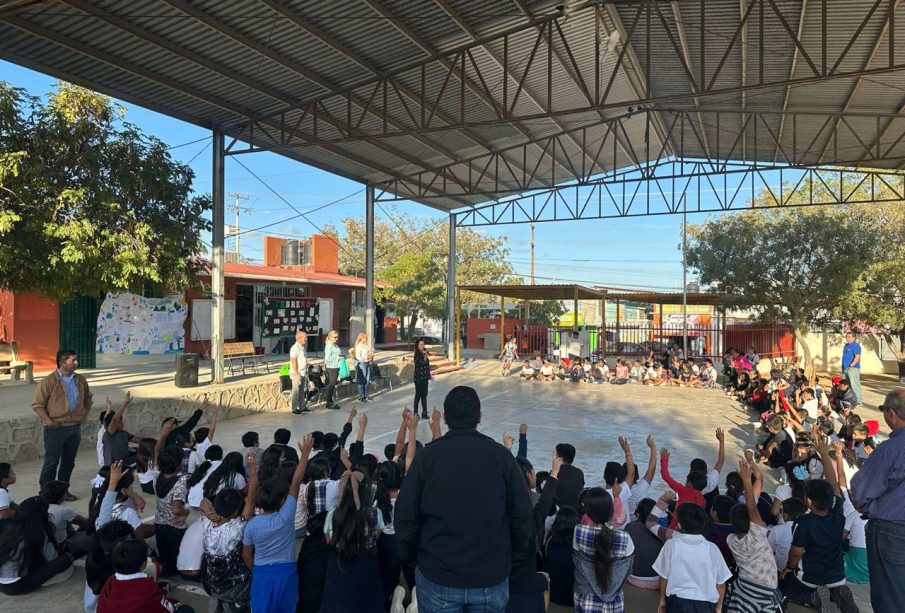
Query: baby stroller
point(316, 381)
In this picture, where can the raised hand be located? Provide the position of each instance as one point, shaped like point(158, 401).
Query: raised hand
point(623, 442)
point(744, 470)
point(306, 445)
point(167, 427)
point(353, 412)
point(617, 489)
point(557, 464)
point(822, 444)
point(108, 405)
point(436, 415)
point(720, 435)
point(650, 441)
point(664, 453)
point(405, 415)
point(363, 420)
point(250, 461)
point(523, 428)
point(116, 472)
point(507, 440)
point(668, 495)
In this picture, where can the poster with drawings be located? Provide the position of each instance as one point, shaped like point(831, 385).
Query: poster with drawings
point(283, 316)
point(129, 323)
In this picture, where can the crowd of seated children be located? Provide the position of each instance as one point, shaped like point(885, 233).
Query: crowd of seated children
point(742, 549)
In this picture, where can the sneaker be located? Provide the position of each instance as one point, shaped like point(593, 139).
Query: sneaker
point(413, 605)
point(424, 415)
point(398, 597)
point(844, 599)
point(820, 600)
point(69, 497)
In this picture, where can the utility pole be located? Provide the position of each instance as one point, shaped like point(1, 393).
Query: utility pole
point(237, 208)
point(684, 279)
point(528, 302)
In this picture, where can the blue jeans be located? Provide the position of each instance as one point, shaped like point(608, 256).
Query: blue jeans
point(362, 377)
point(885, 563)
point(854, 377)
point(433, 598)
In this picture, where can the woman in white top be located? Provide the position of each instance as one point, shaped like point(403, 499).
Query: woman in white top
point(363, 355)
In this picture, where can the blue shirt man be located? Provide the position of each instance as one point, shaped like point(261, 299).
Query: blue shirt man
point(851, 363)
point(71, 389)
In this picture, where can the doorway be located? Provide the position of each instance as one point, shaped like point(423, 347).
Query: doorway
point(245, 312)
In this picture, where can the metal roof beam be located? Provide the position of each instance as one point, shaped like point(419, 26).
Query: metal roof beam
point(693, 193)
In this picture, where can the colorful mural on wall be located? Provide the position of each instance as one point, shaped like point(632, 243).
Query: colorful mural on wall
point(129, 323)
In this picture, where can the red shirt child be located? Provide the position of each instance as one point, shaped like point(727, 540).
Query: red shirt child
point(686, 493)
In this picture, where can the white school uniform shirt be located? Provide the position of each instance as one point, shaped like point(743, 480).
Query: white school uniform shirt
point(197, 455)
point(713, 481)
point(854, 524)
point(60, 517)
point(127, 513)
point(99, 445)
point(692, 567)
point(196, 493)
point(780, 539)
point(812, 407)
point(5, 500)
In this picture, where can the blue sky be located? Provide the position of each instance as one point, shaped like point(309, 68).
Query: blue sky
point(630, 252)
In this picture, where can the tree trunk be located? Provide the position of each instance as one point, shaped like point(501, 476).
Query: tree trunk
point(412, 322)
point(796, 340)
point(899, 353)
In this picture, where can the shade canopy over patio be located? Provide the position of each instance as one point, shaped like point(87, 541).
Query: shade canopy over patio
point(507, 111)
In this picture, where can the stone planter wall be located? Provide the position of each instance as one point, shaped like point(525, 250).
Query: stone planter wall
point(22, 438)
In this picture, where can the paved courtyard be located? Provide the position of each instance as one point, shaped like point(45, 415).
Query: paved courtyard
point(590, 417)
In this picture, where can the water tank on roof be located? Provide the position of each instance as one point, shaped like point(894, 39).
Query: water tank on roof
point(289, 253)
point(692, 287)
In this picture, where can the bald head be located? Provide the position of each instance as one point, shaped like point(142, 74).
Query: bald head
point(301, 337)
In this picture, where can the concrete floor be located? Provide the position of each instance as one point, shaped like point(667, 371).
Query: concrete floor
point(590, 417)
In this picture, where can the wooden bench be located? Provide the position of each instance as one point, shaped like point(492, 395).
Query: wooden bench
point(241, 355)
point(11, 363)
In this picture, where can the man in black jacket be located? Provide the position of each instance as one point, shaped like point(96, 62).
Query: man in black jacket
point(461, 513)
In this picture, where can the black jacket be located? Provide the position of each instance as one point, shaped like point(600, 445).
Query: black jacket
point(524, 577)
point(462, 511)
point(571, 483)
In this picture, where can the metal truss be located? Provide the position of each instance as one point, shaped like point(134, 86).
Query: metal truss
point(679, 187)
point(438, 94)
point(793, 139)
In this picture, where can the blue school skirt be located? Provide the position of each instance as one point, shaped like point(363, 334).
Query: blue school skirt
point(274, 588)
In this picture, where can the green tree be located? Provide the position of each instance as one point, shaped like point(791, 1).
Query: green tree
point(411, 256)
point(88, 203)
point(794, 264)
point(876, 300)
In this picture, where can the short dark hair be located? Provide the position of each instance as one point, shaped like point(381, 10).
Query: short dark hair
point(62, 354)
point(613, 472)
point(566, 452)
point(697, 480)
point(775, 422)
point(228, 503)
point(699, 465)
point(281, 436)
point(820, 493)
point(793, 507)
point(329, 441)
point(169, 459)
point(389, 452)
point(54, 491)
point(462, 408)
point(722, 507)
point(741, 521)
point(5, 469)
point(130, 556)
point(692, 518)
point(201, 433)
point(644, 508)
point(271, 494)
point(250, 439)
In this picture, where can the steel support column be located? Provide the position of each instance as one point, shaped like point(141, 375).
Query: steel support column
point(452, 330)
point(218, 294)
point(369, 264)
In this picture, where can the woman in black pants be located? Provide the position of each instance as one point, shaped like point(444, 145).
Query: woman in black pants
point(332, 356)
point(422, 376)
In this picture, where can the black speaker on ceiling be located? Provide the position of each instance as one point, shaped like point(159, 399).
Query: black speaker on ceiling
point(187, 370)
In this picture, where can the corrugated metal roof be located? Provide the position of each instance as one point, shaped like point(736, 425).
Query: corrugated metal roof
point(217, 63)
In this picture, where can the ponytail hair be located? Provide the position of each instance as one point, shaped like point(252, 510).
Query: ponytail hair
point(213, 453)
point(598, 505)
point(389, 477)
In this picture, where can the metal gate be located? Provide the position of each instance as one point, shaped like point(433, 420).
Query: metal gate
point(78, 328)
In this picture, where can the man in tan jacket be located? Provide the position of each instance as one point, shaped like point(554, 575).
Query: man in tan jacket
point(62, 402)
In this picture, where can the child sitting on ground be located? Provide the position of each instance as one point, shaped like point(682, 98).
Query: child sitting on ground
point(7, 506)
point(547, 372)
point(622, 372)
point(695, 483)
point(692, 572)
point(636, 374)
point(527, 371)
point(707, 379)
point(130, 590)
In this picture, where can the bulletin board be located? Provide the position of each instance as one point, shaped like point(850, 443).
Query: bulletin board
point(284, 316)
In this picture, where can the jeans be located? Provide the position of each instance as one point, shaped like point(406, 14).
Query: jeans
point(854, 376)
point(886, 564)
point(420, 396)
point(60, 446)
point(299, 397)
point(433, 598)
point(362, 377)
